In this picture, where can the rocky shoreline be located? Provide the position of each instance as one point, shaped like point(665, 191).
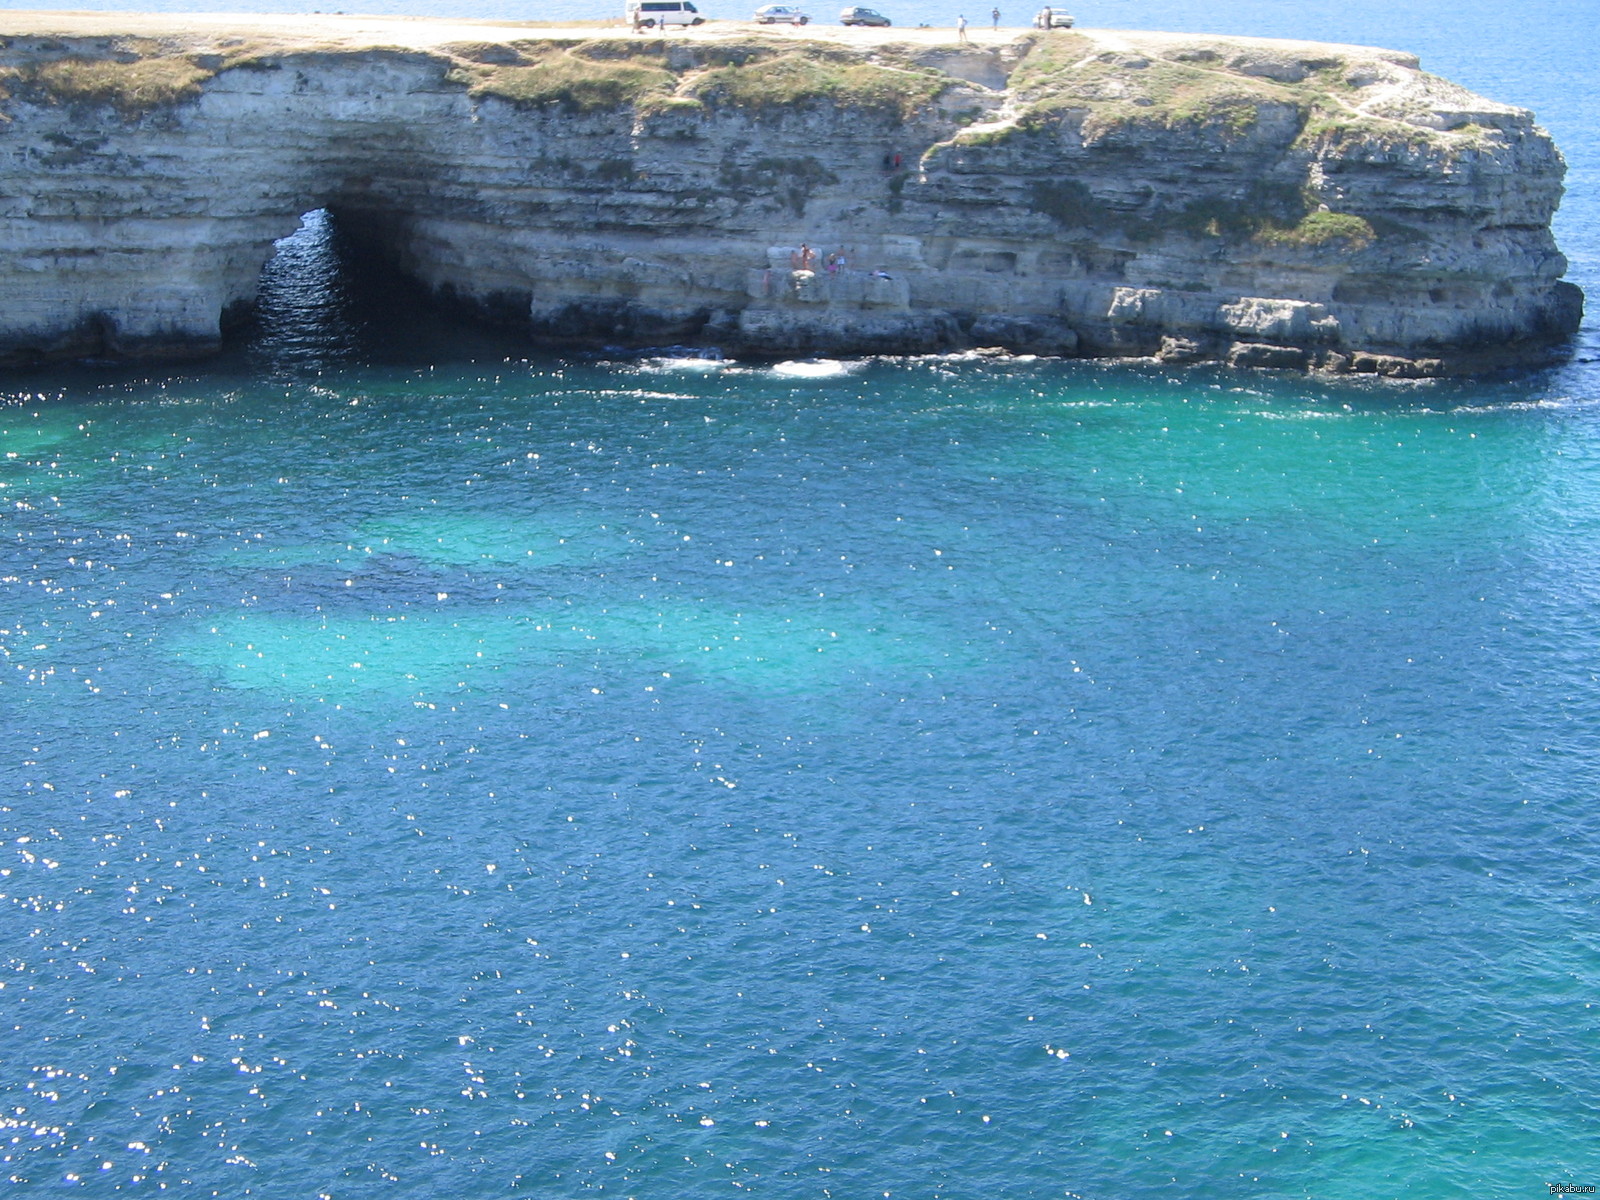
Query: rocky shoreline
point(1087, 193)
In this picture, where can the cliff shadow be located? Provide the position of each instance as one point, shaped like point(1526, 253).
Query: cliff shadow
point(334, 295)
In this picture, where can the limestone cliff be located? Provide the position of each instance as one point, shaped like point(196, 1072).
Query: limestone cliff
point(1265, 203)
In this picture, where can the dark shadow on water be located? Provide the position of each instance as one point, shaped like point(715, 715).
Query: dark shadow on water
point(309, 308)
point(323, 305)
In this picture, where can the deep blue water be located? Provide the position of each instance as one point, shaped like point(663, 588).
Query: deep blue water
point(435, 772)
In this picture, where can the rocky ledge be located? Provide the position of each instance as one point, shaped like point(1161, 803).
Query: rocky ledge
point(1092, 193)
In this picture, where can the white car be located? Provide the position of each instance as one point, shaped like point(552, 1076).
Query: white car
point(647, 14)
point(780, 14)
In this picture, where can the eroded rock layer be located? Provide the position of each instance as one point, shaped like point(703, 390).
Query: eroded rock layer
point(1262, 203)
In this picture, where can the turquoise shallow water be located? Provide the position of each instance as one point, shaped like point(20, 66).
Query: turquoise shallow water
point(948, 778)
point(432, 772)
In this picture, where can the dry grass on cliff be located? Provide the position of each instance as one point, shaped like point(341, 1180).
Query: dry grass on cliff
point(577, 83)
point(758, 76)
point(800, 78)
point(131, 87)
point(135, 75)
point(1219, 89)
point(1117, 89)
point(1329, 129)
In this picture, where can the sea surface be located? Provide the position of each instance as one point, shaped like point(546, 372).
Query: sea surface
point(430, 771)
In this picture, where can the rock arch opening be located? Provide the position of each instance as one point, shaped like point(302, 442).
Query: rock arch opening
point(305, 310)
point(335, 292)
point(326, 297)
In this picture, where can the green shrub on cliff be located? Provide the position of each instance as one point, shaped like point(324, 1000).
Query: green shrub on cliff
point(1070, 203)
point(1318, 229)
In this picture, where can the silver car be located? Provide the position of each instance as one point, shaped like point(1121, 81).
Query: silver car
point(780, 14)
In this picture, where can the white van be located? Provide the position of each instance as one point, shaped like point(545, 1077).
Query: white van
point(647, 14)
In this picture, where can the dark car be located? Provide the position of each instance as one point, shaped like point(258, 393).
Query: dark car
point(863, 16)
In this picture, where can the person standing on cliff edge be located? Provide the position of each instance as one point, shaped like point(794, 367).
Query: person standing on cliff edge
point(961, 29)
point(995, 18)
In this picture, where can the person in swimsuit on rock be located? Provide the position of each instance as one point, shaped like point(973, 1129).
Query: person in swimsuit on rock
point(961, 29)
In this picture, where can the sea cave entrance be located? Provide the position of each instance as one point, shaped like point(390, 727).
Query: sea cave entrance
point(306, 311)
point(331, 296)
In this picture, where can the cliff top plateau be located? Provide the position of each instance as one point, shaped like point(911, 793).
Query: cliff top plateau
point(1190, 70)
